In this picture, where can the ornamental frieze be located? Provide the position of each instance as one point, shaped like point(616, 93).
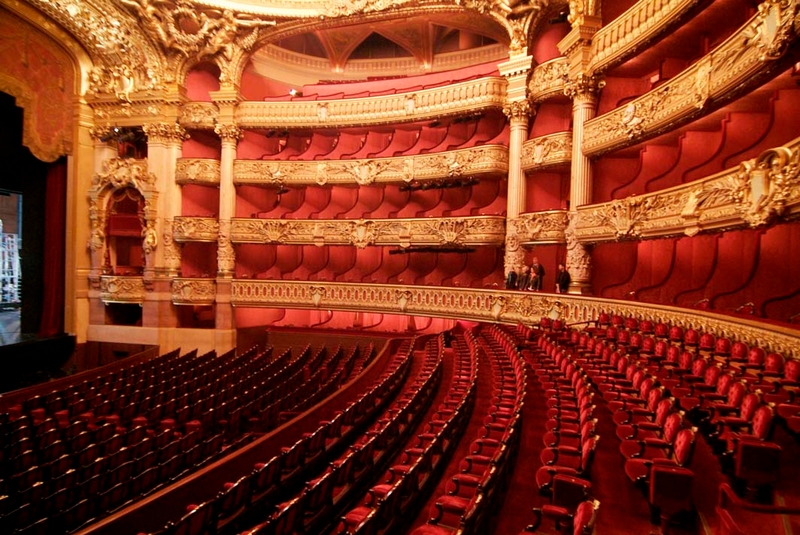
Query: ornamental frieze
point(205, 171)
point(742, 61)
point(115, 289)
point(547, 80)
point(454, 231)
point(194, 291)
point(540, 227)
point(487, 159)
point(495, 305)
point(753, 194)
point(547, 151)
point(195, 229)
point(428, 104)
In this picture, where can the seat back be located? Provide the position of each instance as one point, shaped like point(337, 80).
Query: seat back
point(585, 517)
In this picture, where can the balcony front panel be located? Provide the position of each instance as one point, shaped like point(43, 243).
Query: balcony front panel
point(547, 151)
point(547, 80)
point(741, 63)
point(202, 171)
point(195, 229)
point(487, 159)
point(197, 291)
point(540, 228)
point(122, 289)
point(445, 232)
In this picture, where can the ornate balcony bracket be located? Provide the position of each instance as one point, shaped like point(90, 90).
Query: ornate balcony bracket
point(547, 151)
point(540, 227)
point(194, 291)
point(743, 61)
point(118, 289)
point(195, 229)
point(203, 171)
point(756, 193)
point(495, 305)
point(487, 159)
point(450, 232)
point(423, 105)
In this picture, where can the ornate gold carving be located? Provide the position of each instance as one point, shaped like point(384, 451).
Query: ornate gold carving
point(540, 227)
point(199, 114)
point(459, 231)
point(583, 85)
point(547, 151)
point(470, 96)
point(742, 61)
point(226, 256)
point(114, 289)
point(197, 229)
point(463, 162)
point(579, 261)
point(548, 79)
point(172, 251)
point(753, 194)
point(517, 109)
point(197, 171)
point(165, 132)
point(194, 291)
point(229, 132)
point(124, 172)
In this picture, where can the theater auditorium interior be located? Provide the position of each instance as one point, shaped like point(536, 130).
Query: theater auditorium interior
point(265, 267)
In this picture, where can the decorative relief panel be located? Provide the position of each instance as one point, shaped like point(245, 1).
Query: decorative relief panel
point(753, 194)
point(115, 289)
point(455, 231)
point(203, 171)
point(740, 62)
point(464, 162)
point(547, 151)
point(547, 80)
point(540, 227)
point(423, 105)
point(195, 229)
point(495, 305)
point(194, 291)
point(624, 36)
point(202, 115)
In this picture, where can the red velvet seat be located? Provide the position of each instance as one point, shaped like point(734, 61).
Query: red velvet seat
point(579, 522)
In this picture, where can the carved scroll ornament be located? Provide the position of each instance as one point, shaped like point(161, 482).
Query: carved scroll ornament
point(122, 289)
point(195, 229)
point(193, 291)
point(197, 171)
point(541, 227)
point(547, 151)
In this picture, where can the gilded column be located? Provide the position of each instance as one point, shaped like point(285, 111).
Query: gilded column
point(230, 135)
point(517, 109)
point(583, 91)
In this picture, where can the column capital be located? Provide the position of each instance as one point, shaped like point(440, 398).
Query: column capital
point(229, 132)
point(518, 109)
point(583, 86)
point(164, 132)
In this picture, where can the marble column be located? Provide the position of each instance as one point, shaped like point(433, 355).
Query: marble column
point(517, 113)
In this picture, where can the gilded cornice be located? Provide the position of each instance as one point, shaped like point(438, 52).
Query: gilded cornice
point(195, 229)
point(753, 194)
point(547, 80)
point(203, 171)
point(194, 291)
point(427, 104)
point(741, 62)
point(116, 289)
point(463, 162)
point(629, 33)
point(449, 231)
point(540, 227)
point(496, 305)
point(547, 151)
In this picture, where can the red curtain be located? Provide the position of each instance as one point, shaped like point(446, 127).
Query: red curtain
point(54, 250)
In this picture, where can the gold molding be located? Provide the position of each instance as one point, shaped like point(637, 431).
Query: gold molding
point(496, 305)
point(194, 291)
point(547, 151)
point(540, 227)
point(440, 231)
point(739, 63)
point(462, 162)
point(116, 289)
point(195, 229)
point(643, 22)
point(547, 80)
point(426, 104)
point(755, 193)
point(202, 171)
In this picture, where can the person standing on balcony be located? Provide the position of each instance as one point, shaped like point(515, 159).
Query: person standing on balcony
point(562, 279)
point(537, 275)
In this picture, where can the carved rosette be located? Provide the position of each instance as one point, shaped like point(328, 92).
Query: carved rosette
point(547, 79)
point(199, 115)
point(114, 289)
point(204, 171)
point(195, 229)
point(547, 151)
point(541, 227)
point(165, 133)
point(226, 256)
point(456, 231)
point(194, 291)
point(229, 133)
point(487, 159)
point(744, 60)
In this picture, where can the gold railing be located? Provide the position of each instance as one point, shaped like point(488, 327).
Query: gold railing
point(204, 171)
point(547, 80)
point(122, 289)
point(195, 229)
point(486, 159)
point(429, 231)
point(423, 105)
point(540, 227)
point(194, 291)
point(547, 151)
point(741, 62)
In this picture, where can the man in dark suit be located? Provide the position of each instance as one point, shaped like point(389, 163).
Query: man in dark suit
point(537, 274)
point(562, 279)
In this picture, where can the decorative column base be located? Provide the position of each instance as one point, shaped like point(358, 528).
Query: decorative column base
point(580, 288)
